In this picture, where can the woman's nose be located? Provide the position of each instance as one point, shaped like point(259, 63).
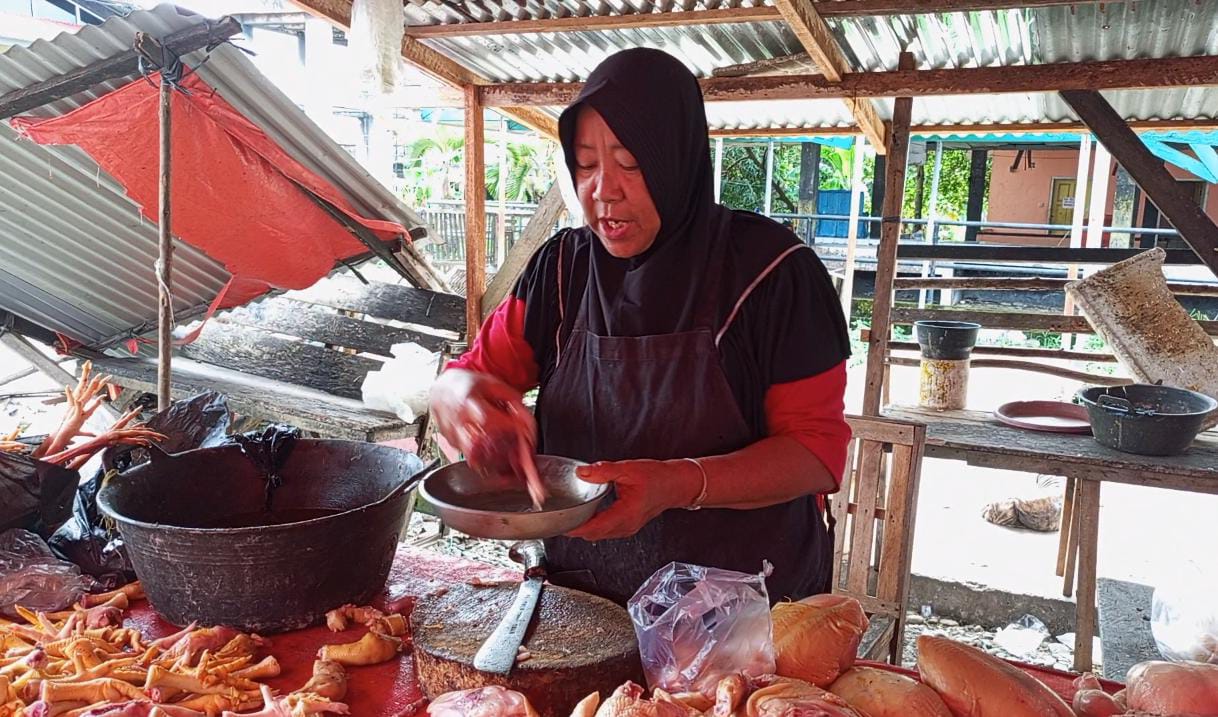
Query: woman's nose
point(608, 186)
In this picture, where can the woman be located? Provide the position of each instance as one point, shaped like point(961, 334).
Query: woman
point(694, 354)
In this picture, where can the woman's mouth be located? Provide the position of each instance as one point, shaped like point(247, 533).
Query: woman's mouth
point(613, 229)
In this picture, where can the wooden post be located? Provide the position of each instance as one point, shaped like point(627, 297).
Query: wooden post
point(852, 231)
point(718, 168)
point(976, 191)
point(1100, 179)
point(769, 177)
point(886, 253)
point(535, 233)
point(1081, 177)
point(475, 210)
point(1197, 229)
point(164, 264)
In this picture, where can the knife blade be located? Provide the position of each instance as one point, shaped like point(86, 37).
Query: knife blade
point(498, 653)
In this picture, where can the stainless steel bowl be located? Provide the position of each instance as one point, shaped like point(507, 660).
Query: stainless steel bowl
point(499, 507)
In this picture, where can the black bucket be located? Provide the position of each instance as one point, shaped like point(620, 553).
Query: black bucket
point(1146, 419)
point(195, 525)
point(946, 340)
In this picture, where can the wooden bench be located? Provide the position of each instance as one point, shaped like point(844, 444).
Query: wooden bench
point(873, 538)
point(300, 357)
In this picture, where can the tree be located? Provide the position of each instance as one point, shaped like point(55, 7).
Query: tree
point(529, 172)
point(953, 186)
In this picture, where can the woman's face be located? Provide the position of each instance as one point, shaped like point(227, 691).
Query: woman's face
point(611, 189)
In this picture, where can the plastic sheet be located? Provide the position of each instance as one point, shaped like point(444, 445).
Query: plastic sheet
point(375, 42)
point(402, 385)
point(1184, 616)
point(86, 540)
point(32, 577)
point(696, 625)
point(33, 494)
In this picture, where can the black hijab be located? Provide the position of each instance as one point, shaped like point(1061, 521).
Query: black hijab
point(654, 106)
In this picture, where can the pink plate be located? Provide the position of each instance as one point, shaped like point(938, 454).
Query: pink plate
point(1049, 416)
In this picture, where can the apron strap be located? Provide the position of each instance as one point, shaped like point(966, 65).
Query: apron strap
point(562, 304)
point(749, 289)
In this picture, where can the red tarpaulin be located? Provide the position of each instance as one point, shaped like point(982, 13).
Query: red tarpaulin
point(237, 196)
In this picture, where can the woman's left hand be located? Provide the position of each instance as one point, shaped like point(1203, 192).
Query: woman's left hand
point(644, 490)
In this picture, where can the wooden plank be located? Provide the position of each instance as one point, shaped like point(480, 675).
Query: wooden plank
point(884, 430)
point(475, 210)
point(863, 528)
point(1088, 552)
point(264, 399)
point(877, 640)
point(1002, 283)
point(906, 82)
point(839, 504)
point(1172, 200)
point(598, 22)
point(979, 438)
point(420, 307)
point(1051, 354)
point(1033, 254)
point(886, 252)
point(536, 232)
point(122, 65)
point(1017, 320)
point(534, 119)
point(977, 128)
point(314, 323)
point(1067, 519)
point(1035, 367)
point(893, 579)
point(261, 354)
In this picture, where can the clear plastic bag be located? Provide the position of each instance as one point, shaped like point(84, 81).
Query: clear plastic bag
point(1184, 616)
point(32, 577)
point(375, 42)
point(403, 384)
point(696, 625)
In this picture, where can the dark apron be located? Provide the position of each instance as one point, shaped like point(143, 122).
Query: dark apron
point(664, 397)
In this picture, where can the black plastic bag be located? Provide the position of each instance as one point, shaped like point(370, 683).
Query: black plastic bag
point(31, 575)
point(86, 540)
point(34, 495)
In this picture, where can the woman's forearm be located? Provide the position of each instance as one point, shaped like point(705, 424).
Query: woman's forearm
point(773, 470)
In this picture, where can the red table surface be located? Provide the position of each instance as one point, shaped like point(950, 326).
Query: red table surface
point(391, 688)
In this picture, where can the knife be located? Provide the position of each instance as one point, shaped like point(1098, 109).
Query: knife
point(498, 654)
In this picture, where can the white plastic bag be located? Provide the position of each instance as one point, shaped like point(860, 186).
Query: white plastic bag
point(375, 42)
point(401, 386)
point(696, 625)
point(1184, 616)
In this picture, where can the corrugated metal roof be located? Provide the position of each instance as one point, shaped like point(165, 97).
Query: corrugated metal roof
point(1081, 32)
point(75, 254)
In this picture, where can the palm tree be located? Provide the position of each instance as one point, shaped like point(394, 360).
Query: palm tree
point(528, 173)
point(432, 168)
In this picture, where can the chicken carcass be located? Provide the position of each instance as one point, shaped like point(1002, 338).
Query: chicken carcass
point(1180, 689)
point(492, 701)
point(628, 701)
point(975, 684)
point(1090, 699)
point(816, 639)
point(786, 697)
point(881, 693)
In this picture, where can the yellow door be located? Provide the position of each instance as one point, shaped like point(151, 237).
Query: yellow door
point(1061, 211)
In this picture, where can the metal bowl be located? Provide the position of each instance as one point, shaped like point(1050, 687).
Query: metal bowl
point(499, 507)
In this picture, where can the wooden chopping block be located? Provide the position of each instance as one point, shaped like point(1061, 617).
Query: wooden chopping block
point(578, 644)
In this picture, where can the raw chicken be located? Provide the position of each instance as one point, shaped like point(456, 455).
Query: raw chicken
point(880, 693)
point(975, 684)
point(785, 697)
point(1090, 699)
point(493, 701)
point(628, 701)
point(1188, 689)
point(816, 639)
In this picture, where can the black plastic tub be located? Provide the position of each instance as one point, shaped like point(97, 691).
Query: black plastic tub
point(946, 340)
point(212, 540)
point(1146, 419)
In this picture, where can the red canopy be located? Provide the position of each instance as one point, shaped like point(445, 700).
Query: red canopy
point(237, 196)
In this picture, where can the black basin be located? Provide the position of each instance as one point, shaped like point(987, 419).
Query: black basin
point(946, 340)
point(196, 528)
point(1146, 419)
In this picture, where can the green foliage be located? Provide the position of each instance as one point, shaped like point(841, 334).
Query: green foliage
point(743, 184)
point(953, 188)
point(433, 167)
point(528, 174)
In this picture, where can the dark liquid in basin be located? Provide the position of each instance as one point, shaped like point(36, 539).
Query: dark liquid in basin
point(508, 501)
point(262, 517)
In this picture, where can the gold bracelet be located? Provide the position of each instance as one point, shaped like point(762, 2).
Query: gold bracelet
point(697, 504)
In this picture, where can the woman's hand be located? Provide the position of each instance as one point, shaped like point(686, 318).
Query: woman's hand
point(644, 490)
point(482, 417)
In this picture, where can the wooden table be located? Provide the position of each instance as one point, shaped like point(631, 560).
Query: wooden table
point(978, 439)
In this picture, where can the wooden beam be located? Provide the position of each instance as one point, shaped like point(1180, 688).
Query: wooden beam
point(1033, 254)
point(535, 119)
point(475, 210)
point(1189, 218)
point(598, 22)
point(1101, 75)
point(985, 128)
point(886, 252)
point(1002, 283)
point(535, 233)
point(863, 8)
point(432, 62)
point(119, 66)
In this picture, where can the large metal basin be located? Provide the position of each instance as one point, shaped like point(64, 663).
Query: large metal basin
point(195, 527)
point(499, 507)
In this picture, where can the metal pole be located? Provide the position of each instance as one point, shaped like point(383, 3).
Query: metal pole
point(1076, 223)
point(718, 168)
point(852, 231)
point(769, 176)
point(164, 262)
point(932, 229)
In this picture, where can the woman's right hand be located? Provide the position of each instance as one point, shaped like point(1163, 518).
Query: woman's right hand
point(482, 417)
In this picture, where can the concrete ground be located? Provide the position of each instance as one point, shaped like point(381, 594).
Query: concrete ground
point(1146, 534)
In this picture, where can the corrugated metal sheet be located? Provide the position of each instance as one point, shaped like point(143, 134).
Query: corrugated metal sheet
point(75, 254)
point(1082, 32)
